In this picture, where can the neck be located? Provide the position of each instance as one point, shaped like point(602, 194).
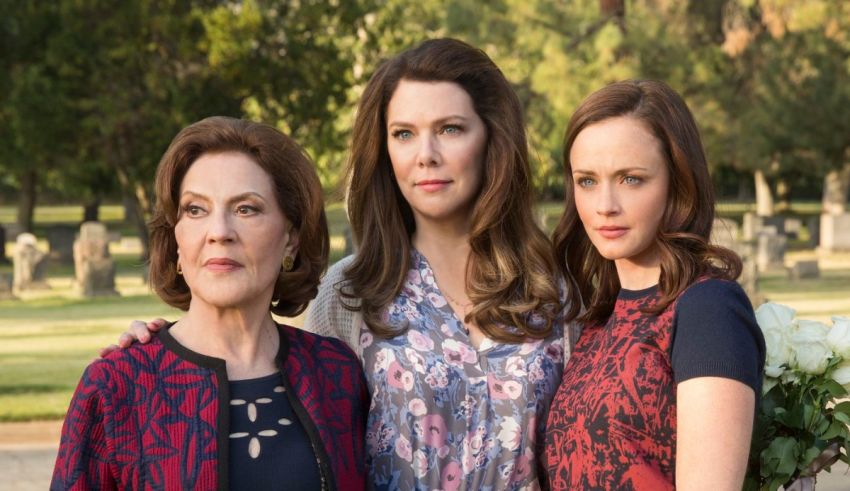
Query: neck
point(245, 338)
point(637, 276)
point(445, 236)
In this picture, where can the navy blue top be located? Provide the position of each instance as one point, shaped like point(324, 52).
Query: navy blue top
point(269, 448)
point(715, 333)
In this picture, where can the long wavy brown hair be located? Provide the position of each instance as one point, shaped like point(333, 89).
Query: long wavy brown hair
point(683, 236)
point(511, 272)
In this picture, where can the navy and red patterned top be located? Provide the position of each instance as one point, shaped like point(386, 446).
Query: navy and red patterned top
point(156, 416)
point(612, 424)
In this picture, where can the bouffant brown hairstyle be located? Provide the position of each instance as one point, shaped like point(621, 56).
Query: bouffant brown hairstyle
point(683, 236)
point(296, 187)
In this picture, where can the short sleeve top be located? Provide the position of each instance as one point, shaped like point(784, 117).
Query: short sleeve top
point(446, 415)
point(613, 421)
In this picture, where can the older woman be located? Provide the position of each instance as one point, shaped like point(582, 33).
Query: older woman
point(225, 398)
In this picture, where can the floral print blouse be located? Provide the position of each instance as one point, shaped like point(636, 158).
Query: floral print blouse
point(446, 415)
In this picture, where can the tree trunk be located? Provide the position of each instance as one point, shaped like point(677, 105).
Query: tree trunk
point(764, 196)
point(26, 202)
point(836, 184)
point(91, 210)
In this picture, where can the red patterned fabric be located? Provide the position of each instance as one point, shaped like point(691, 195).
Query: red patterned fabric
point(612, 424)
point(155, 416)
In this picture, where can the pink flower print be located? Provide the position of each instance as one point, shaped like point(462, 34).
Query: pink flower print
point(515, 366)
point(436, 300)
point(420, 464)
point(450, 476)
point(417, 407)
point(457, 353)
point(419, 341)
point(413, 277)
point(467, 459)
point(510, 434)
point(383, 359)
point(529, 347)
point(503, 389)
point(535, 371)
point(428, 277)
point(416, 360)
point(444, 328)
point(522, 469)
point(403, 448)
point(437, 377)
point(366, 339)
point(433, 430)
point(413, 292)
point(555, 352)
point(443, 451)
point(398, 377)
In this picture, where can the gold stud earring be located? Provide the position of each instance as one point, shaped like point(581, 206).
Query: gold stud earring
point(179, 269)
point(288, 263)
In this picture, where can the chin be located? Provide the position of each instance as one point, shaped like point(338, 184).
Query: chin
point(228, 298)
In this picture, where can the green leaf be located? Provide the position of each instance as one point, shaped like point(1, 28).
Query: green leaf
point(844, 418)
point(836, 429)
point(842, 407)
point(834, 388)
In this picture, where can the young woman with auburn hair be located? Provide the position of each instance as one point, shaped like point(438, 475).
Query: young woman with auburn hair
point(452, 299)
point(660, 391)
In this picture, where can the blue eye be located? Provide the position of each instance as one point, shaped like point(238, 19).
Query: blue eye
point(585, 182)
point(452, 129)
point(402, 134)
point(632, 180)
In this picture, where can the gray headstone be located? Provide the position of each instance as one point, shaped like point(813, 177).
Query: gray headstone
point(724, 232)
point(813, 224)
point(770, 251)
point(30, 269)
point(835, 232)
point(793, 227)
point(804, 269)
point(776, 221)
point(3, 258)
point(752, 226)
point(61, 241)
point(93, 266)
point(749, 273)
point(6, 287)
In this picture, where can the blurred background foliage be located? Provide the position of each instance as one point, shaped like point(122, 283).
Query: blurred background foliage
point(92, 91)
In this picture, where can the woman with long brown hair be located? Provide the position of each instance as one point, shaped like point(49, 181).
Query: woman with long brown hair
point(452, 300)
point(661, 388)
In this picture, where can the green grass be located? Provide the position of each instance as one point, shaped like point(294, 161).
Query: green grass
point(48, 337)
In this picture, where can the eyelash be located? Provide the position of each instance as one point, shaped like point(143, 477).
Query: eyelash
point(448, 129)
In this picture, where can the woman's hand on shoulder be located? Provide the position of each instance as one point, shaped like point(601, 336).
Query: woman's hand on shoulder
point(139, 331)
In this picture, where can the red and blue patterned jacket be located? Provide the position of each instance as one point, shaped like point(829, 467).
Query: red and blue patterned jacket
point(155, 416)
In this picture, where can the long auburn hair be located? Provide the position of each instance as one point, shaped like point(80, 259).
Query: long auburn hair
point(683, 236)
point(296, 187)
point(511, 273)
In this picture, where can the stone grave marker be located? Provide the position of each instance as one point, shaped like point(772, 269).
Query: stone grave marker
point(61, 241)
point(93, 266)
point(30, 269)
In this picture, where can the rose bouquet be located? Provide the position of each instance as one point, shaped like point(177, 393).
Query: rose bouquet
point(802, 423)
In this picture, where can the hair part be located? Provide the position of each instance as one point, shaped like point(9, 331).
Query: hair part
point(296, 188)
point(511, 272)
point(683, 236)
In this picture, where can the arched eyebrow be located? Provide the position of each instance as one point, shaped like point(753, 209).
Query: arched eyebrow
point(436, 122)
point(233, 199)
point(620, 172)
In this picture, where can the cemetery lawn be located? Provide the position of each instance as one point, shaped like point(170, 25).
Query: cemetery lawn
point(48, 337)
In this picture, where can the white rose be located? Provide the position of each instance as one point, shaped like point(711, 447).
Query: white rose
point(776, 322)
point(841, 374)
point(838, 337)
point(775, 316)
point(811, 353)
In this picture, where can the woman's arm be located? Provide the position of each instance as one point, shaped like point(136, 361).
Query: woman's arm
point(714, 429)
point(83, 460)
